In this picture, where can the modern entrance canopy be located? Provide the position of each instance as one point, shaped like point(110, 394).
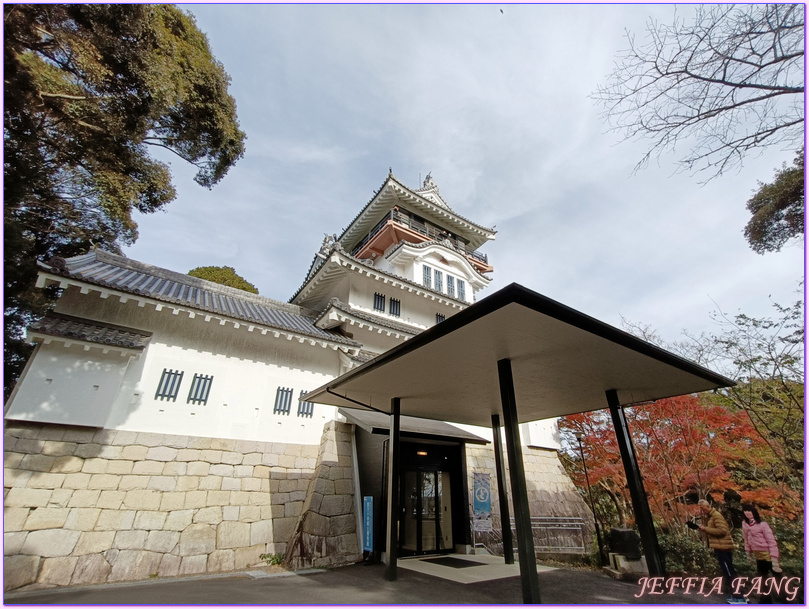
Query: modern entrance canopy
point(526, 357)
point(563, 362)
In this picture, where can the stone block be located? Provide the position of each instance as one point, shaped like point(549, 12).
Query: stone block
point(120, 467)
point(187, 483)
point(246, 446)
point(232, 458)
point(278, 498)
point(231, 534)
point(344, 487)
point(84, 498)
point(82, 519)
point(343, 525)
point(260, 498)
point(162, 541)
point(57, 571)
point(218, 498)
point(76, 481)
point(170, 502)
point(80, 435)
point(211, 456)
point(104, 436)
point(104, 482)
point(46, 518)
point(16, 477)
point(336, 505)
point(196, 499)
point(261, 532)
point(162, 483)
point(11, 459)
point(245, 557)
point(60, 498)
point(68, 464)
point(134, 453)
point(148, 468)
point(188, 454)
point(251, 484)
point(134, 565)
point(37, 463)
point(124, 438)
point(50, 542)
point(220, 561)
point(115, 520)
point(286, 461)
point(19, 571)
point(231, 484)
point(297, 496)
point(270, 460)
point(223, 444)
point(230, 512)
point(161, 453)
point(283, 528)
point(169, 566)
point(111, 500)
point(109, 452)
point(150, 439)
point(242, 471)
point(29, 446)
point(221, 470)
point(249, 513)
point(315, 524)
point(178, 442)
point(210, 483)
point(132, 482)
point(178, 520)
point(208, 515)
point(252, 459)
point(94, 542)
point(197, 539)
point(193, 564)
point(90, 569)
point(199, 443)
point(92, 464)
point(130, 540)
point(175, 469)
point(142, 500)
point(14, 518)
point(150, 520)
point(198, 468)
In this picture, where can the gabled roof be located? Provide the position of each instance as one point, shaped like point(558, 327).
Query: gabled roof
point(373, 320)
point(392, 192)
point(122, 274)
point(103, 334)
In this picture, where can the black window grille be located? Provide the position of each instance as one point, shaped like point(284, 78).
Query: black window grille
point(283, 400)
point(461, 290)
point(439, 287)
point(169, 385)
point(395, 307)
point(439, 318)
point(305, 409)
point(379, 302)
point(450, 286)
point(428, 276)
point(200, 389)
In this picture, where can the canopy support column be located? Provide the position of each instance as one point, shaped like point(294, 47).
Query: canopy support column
point(393, 490)
point(519, 489)
point(640, 502)
point(505, 516)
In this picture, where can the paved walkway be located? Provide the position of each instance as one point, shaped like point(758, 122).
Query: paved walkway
point(361, 585)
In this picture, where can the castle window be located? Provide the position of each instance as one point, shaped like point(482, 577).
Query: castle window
point(395, 307)
point(439, 317)
point(305, 409)
point(450, 286)
point(283, 400)
point(439, 283)
point(200, 389)
point(461, 290)
point(428, 276)
point(379, 302)
point(169, 385)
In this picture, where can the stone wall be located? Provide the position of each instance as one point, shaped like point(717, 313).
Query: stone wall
point(551, 492)
point(87, 506)
point(326, 533)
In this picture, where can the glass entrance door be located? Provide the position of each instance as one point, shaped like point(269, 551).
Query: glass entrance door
point(427, 515)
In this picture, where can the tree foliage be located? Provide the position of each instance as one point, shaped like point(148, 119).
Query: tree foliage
point(777, 209)
point(224, 275)
point(728, 82)
point(90, 90)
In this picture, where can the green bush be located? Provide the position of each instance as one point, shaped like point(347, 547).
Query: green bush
point(685, 553)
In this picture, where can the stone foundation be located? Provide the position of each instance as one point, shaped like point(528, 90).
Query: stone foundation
point(89, 506)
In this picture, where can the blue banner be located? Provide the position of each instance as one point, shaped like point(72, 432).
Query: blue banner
point(482, 503)
point(368, 524)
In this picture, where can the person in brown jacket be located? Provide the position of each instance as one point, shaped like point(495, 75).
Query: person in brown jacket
point(716, 529)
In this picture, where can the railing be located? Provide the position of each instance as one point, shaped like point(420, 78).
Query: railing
point(552, 534)
point(421, 227)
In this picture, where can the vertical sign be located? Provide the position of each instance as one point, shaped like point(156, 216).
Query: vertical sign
point(482, 502)
point(368, 524)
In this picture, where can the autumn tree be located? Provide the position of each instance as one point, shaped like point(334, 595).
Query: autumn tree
point(777, 209)
point(724, 83)
point(224, 275)
point(91, 90)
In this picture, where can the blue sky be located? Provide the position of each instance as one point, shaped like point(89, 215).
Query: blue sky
point(495, 106)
